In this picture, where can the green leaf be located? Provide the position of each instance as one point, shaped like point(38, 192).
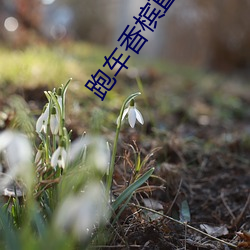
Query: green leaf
point(122, 209)
point(10, 236)
point(185, 212)
point(129, 190)
point(39, 222)
point(138, 163)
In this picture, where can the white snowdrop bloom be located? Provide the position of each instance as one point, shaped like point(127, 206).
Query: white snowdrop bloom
point(98, 152)
point(59, 99)
point(5, 139)
point(133, 114)
point(77, 149)
point(80, 214)
point(39, 154)
point(59, 157)
point(54, 121)
point(42, 122)
point(17, 152)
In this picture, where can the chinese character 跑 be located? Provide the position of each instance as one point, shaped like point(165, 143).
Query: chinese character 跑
point(165, 5)
point(117, 60)
point(150, 16)
point(100, 84)
point(135, 41)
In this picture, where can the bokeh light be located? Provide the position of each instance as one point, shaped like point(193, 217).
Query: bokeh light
point(58, 31)
point(47, 2)
point(11, 24)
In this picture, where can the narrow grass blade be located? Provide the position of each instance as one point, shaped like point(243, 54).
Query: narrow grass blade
point(128, 191)
point(10, 236)
point(122, 209)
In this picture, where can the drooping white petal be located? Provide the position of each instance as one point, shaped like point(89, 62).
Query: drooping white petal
point(123, 116)
point(139, 116)
point(59, 99)
point(55, 156)
point(132, 117)
point(59, 158)
point(38, 156)
point(125, 112)
point(79, 214)
point(66, 214)
point(98, 152)
point(5, 139)
point(101, 154)
point(54, 124)
point(63, 159)
point(64, 154)
point(39, 123)
point(117, 120)
point(19, 151)
point(18, 156)
point(44, 127)
point(46, 113)
point(61, 163)
point(77, 148)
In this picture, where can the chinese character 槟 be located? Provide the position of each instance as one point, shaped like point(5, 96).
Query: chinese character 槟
point(149, 16)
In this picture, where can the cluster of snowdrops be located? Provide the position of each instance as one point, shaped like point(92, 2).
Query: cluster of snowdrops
point(66, 186)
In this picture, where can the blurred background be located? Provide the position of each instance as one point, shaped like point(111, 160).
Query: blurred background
point(194, 72)
point(212, 34)
point(198, 57)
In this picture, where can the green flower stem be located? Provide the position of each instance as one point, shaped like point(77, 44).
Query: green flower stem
point(65, 87)
point(54, 142)
point(52, 95)
point(47, 137)
point(112, 164)
point(66, 136)
point(61, 112)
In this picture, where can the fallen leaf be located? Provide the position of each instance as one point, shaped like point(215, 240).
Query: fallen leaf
point(185, 212)
point(153, 204)
point(245, 236)
point(215, 231)
point(183, 208)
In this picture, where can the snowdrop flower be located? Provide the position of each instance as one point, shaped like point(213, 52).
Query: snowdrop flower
point(54, 121)
point(79, 214)
point(59, 99)
point(133, 114)
point(39, 154)
point(42, 122)
point(98, 152)
point(17, 152)
point(59, 157)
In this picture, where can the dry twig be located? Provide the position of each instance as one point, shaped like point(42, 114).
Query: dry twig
point(184, 224)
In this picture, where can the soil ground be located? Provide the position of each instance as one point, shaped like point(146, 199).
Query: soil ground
point(199, 130)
